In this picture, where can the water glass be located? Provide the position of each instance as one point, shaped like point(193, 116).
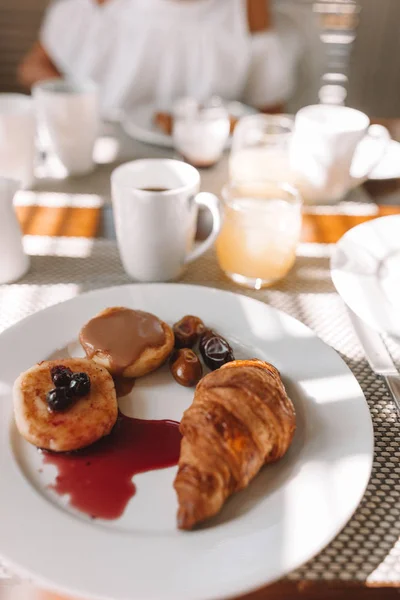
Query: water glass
point(17, 138)
point(260, 232)
point(260, 148)
point(68, 122)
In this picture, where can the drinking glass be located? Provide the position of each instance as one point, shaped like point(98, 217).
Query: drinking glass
point(200, 133)
point(17, 138)
point(260, 148)
point(68, 121)
point(260, 232)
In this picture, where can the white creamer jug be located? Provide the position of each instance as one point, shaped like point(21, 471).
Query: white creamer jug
point(14, 263)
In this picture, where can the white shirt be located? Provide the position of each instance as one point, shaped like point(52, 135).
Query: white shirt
point(141, 51)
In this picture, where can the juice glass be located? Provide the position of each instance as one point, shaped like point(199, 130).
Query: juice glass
point(260, 149)
point(261, 229)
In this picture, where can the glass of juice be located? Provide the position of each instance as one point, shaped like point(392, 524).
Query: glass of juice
point(260, 148)
point(260, 232)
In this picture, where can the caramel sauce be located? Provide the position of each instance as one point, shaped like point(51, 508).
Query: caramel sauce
point(122, 335)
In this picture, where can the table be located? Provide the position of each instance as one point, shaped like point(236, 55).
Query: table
point(70, 207)
point(80, 208)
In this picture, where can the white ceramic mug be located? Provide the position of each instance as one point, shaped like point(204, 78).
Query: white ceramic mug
point(333, 149)
point(68, 121)
point(155, 203)
point(17, 138)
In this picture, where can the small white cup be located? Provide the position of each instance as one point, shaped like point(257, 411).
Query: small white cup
point(17, 138)
point(200, 135)
point(68, 121)
point(155, 203)
point(333, 149)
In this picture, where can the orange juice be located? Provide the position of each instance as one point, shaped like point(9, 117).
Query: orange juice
point(258, 241)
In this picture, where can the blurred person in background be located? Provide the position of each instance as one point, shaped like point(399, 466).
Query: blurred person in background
point(154, 51)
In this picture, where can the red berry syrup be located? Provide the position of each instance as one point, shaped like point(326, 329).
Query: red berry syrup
point(98, 479)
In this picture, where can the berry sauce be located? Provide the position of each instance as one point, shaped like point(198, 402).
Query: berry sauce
point(98, 479)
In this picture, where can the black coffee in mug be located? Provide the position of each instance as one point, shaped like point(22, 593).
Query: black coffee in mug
point(156, 189)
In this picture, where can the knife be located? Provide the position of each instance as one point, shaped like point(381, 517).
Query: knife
point(377, 356)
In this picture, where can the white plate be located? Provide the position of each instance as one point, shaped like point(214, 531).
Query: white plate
point(139, 123)
point(365, 268)
point(286, 515)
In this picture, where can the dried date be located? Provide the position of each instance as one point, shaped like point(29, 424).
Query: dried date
point(215, 350)
point(185, 367)
point(187, 331)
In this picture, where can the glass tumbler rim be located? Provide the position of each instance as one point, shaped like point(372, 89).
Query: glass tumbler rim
point(295, 196)
point(262, 129)
point(281, 119)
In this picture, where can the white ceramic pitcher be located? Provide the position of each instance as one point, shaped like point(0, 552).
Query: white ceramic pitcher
point(333, 149)
point(14, 263)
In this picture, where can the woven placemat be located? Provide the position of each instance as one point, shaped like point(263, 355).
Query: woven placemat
point(368, 548)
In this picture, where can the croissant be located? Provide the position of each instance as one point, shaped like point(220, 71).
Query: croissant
point(241, 418)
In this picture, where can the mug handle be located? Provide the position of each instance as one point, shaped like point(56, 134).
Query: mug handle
point(211, 202)
point(382, 137)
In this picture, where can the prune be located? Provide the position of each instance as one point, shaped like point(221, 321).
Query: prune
point(187, 331)
point(208, 333)
point(215, 350)
point(186, 367)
